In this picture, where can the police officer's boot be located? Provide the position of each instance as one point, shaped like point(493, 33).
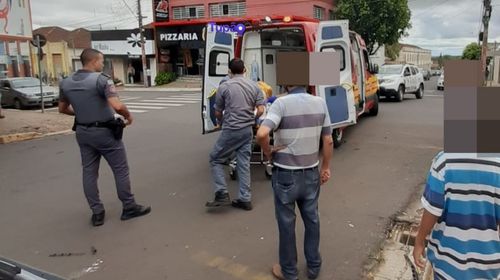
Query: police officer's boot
point(221, 199)
point(135, 211)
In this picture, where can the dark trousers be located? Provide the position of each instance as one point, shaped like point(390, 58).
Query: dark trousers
point(97, 142)
point(301, 187)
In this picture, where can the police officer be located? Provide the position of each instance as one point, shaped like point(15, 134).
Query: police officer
point(91, 97)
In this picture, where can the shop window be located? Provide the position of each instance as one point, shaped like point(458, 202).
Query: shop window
point(218, 63)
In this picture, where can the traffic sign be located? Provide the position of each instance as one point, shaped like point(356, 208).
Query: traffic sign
point(42, 39)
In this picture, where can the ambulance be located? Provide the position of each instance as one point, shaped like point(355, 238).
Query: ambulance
point(262, 38)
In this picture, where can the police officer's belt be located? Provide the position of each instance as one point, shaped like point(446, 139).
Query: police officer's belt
point(97, 124)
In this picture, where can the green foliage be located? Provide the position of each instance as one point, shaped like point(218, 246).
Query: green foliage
point(164, 78)
point(472, 52)
point(381, 22)
point(392, 51)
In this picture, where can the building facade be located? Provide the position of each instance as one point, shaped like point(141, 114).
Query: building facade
point(123, 54)
point(179, 25)
point(410, 54)
point(15, 36)
point(61, 54)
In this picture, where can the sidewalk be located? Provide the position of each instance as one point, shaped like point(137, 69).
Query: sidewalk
point(395, 260)
point(26, 125)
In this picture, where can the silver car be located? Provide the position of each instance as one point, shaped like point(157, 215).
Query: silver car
point(21, 93)
point(440, 82)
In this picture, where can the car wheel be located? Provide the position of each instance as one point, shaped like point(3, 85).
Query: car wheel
point(374, 110)
point(337, 137)
point(401, 93)
point(18, 104)
point(420, 92)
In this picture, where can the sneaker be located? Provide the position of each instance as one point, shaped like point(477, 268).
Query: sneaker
point(221, 199)
point(245, 205)
point(98, 219)
point(134, 212)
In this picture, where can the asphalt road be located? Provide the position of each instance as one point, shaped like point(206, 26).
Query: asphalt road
point(382, 164)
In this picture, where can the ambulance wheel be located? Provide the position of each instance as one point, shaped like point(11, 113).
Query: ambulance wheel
point(233, 174)
point(337, 137)
point(374, 110)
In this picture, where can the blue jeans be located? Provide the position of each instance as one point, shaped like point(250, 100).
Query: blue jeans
point(230, 141)
point(301, 187)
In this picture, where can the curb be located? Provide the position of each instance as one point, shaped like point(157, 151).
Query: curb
point(19, 137)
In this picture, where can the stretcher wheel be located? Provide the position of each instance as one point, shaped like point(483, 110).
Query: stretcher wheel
point(233, 173)
point(269, 172)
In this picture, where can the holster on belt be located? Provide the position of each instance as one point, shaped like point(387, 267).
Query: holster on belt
point(116, 126)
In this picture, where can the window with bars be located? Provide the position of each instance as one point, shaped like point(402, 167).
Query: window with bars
point(331, 15)
point(228, 9)
point(188, 12)
point(318, 12)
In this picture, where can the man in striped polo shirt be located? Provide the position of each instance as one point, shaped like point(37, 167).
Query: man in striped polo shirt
point(462, 216)
point(299, 120)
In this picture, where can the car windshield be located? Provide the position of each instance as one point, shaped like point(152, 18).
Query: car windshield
point(391, 69)
point(24, 83)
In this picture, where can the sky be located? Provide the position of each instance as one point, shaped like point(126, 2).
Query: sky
point(443, 26)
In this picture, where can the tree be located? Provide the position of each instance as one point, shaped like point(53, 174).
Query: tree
point(472, 52)
point(381, 22)
point(392, 51)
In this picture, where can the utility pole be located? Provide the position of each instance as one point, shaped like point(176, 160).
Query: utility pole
point(486, 23)
point(143, 43)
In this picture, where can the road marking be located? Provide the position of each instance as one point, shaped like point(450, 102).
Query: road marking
point(172, 101)
point(137, 111)
point(182, 98)
point(153, 104)
point(178, 99)
point(128, 98)
point(230, 267)
point(145, 107)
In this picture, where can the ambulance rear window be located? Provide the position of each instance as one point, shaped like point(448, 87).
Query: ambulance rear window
point(283, 38)
point(338, 49)
point(224, 38)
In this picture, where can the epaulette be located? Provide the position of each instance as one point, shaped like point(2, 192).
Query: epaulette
point(106, 75)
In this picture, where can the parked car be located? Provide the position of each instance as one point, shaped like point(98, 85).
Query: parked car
point(400, 79)
point(425, 73)
point(440, 82)
point(21, 93)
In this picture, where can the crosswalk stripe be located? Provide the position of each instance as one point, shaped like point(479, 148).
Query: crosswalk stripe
point(179, 99)
point(128, 98)
point(187, 95)
point(171, 101)
point(137, 111)
point(145, 107)
point(153, 104)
